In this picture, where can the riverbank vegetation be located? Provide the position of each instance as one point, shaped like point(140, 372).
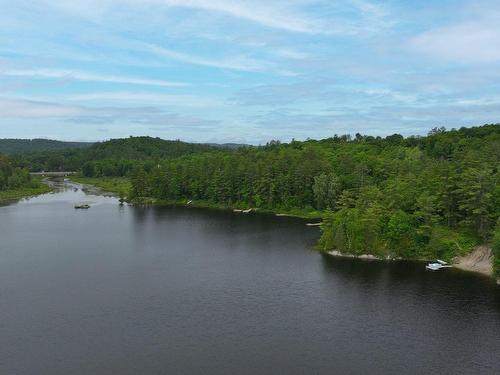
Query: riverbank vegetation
point(16, 183)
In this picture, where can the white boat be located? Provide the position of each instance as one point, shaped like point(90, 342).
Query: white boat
point(433, 266)
point(437, 266)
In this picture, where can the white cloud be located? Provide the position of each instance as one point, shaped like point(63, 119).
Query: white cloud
point(274, 15)
point(28, 109)
point(391, 94)
point(22, 108)
point(235, 63)
point(84, 76)
point(264, 14)
point(288, 53)
point(469, 42)
point(370, 9)
point(292, 16)
point(150, 98)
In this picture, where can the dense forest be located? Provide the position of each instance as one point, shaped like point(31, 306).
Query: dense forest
point(18, 146)
point(416, 197)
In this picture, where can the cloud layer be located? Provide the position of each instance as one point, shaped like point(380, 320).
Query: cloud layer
point(243, 71)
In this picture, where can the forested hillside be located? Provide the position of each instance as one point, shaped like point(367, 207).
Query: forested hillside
point(18, 146)
point(110, 158)
point(417, 197)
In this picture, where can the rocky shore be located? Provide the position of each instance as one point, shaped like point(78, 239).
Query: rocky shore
point(336, 253)
point(479, 260)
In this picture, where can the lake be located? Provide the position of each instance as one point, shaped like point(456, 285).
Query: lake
point(175, 290)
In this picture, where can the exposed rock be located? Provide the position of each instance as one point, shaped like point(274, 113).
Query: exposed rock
point(479, 260)
point(337, 253)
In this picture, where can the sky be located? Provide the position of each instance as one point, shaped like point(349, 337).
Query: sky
point(246, 71)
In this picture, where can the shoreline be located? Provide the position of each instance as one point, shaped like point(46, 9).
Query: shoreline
point(120, 185)
point(480, 260)
point(115, 185)
point(12, 196)
point(336, 253)
point(222, 207)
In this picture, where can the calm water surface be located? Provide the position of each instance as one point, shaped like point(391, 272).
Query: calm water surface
point(129, 290)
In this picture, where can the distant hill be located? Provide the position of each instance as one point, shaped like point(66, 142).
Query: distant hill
point(124, 149)
point(142, 148)
point(19, 146)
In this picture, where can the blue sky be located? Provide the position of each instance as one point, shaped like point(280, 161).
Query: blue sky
point(246, 71)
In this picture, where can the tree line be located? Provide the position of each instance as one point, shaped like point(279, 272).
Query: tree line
point(415, 197)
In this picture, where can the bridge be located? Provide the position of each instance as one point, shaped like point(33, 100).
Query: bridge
point(52, 174)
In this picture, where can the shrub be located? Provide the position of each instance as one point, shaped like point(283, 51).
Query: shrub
point(446, 243)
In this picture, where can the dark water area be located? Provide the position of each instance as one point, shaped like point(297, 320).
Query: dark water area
point(164, 290)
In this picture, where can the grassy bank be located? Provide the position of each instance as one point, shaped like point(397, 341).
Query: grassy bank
point(118, 185)
point(25, 192)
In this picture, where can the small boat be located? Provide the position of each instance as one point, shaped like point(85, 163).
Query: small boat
point(82, 206)
point(246, 211)
point(439, 264)
point(313, 224)
point(433, 266)
point(189, 202)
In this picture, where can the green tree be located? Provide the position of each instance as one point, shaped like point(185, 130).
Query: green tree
point(475, 189)
point(138, 179)
point(326, 190)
